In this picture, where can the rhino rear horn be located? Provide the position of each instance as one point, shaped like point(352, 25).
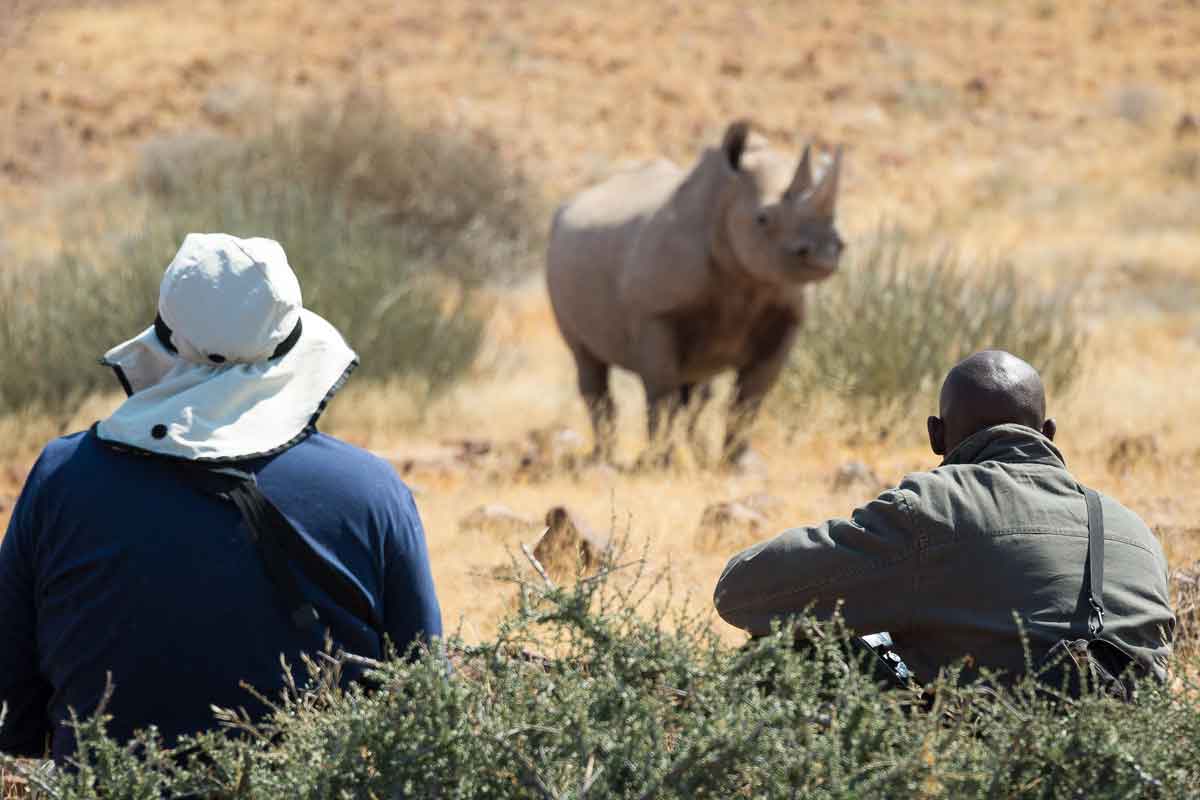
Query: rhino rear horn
point(823, 197)
point(802, 180)
point(734, 143)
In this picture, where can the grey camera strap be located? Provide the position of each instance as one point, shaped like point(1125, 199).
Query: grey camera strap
point(1095, 562)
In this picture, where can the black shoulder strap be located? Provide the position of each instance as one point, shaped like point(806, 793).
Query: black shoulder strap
point(1095, 565)
point(278, 541)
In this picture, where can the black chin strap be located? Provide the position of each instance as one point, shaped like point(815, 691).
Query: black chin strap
point(163, 332)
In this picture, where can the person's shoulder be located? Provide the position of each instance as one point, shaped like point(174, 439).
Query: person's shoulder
point(62, 451)
point(1121, 520)
point(346, 453)
point(60, 466)
point(332, 456)
point(922, 482)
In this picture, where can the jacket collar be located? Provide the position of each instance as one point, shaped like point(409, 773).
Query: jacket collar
point(1013, 444)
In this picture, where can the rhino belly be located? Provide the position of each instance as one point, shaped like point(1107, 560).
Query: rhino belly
point(582, 273)
point(591, 242)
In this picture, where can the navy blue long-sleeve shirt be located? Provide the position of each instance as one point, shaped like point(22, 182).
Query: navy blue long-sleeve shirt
point(112, 564)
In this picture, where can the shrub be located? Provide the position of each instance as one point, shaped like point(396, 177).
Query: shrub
point(391, 228)
point(882, 333)
point(647, 705)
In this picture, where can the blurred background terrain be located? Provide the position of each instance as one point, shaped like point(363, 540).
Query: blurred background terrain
point(1024, 173)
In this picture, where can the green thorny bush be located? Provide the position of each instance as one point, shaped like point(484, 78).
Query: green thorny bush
point(634, 703)
point(881, 334)
point(391, 228)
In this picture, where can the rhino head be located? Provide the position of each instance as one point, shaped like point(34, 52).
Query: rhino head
point(776, 222)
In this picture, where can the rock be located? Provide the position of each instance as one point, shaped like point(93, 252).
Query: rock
point(768, 505)
point(569, 542)
point(729, 525)
point(426, 465)
point(855, 474)
point(977, 86)
point(496, 519)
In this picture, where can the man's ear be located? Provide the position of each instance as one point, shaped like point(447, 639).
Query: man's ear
point(937, 435)
point(1049, 428)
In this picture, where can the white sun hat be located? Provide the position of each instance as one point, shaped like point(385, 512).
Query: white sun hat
point(234, 366)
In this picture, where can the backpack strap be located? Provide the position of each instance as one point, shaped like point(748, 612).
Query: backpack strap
point(1095, 562)
point(279, 542)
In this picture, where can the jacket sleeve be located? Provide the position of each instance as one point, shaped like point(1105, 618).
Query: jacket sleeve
point(22, 688)
point(867, 561)
point(411, 610)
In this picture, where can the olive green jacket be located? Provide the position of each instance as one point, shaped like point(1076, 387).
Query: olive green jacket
point(949, 560)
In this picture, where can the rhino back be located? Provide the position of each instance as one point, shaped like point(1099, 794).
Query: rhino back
point(592, 241)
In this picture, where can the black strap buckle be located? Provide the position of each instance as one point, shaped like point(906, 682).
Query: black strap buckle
point(1096, 624)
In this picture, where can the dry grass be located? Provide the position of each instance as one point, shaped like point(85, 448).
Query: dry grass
point(1039, 132)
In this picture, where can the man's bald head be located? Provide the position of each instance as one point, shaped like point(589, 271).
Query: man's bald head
point(989, 388)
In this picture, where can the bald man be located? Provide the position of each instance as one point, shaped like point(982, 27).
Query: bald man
point(950, 560)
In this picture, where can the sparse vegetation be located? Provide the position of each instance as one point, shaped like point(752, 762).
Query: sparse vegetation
point(392, 230)
point(882, 333)
point(641, 706)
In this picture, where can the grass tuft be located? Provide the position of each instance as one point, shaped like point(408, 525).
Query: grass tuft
point(392, 230)
point(880, 335)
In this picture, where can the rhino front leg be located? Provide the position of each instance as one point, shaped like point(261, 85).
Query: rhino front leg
point(662, 409)
point(753, 383)
point(593, 386)
point(659, 368)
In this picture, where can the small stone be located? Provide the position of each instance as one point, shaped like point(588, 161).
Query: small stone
point(768, 505)
point(729, 525)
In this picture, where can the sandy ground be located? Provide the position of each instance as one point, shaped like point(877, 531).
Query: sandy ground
point(1052, 134)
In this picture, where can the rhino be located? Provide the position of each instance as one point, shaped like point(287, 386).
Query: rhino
point(680, 275)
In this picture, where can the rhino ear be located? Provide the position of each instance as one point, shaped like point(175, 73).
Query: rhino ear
point(802, 180)
point(823, 198)
point(734, 143)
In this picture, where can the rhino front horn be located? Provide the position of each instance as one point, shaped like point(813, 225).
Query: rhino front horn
point(802, 180)
point(823, 197)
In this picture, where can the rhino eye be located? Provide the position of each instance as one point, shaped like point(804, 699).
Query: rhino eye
point(762, 219)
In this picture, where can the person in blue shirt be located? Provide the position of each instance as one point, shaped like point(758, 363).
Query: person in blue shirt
point(206, 528)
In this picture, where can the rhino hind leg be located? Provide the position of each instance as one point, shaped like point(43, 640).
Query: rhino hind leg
point(695, 401)
point(602, 410)
point(737, 431)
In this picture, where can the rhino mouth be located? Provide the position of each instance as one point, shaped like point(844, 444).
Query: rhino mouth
point(814, 270)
